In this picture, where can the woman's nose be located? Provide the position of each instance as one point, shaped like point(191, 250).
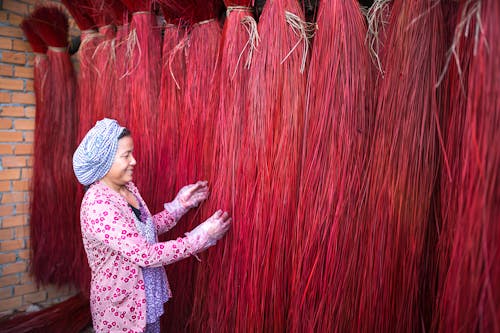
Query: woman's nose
point(132, 160)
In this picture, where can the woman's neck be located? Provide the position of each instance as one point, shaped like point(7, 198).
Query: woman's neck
point(115, 187)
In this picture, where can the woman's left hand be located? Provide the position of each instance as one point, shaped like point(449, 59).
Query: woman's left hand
point(192, 195)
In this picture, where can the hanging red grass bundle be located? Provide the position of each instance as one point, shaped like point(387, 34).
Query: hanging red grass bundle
point(40, 64)
point(171, 96)
point(213, 303)
point(325, 243)
point(103, 61)
point(57, 250)
point(194, 125)
point(143, 86)
point(87, 75)
point(269, 167)
point(470, 297)
point(401, 173)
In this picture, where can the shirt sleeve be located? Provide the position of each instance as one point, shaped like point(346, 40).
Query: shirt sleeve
point(106, 223)
point(164, 221)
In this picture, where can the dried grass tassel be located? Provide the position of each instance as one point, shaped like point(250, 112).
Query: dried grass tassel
point(57, 250)
point(143, 87)
point(213, 305)
point(469, 299)
point(338, 129)
point(401, 172)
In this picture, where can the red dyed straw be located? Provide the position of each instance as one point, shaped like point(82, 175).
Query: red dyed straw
point(469, 295)
point(213, 305)
point(53, 221)
point(326, 251)
point(401, 172)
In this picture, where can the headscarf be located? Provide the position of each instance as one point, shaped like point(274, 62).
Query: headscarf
point(95, 154)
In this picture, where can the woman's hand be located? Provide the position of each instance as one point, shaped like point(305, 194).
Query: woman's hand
point(217, 225)
point(192, 195)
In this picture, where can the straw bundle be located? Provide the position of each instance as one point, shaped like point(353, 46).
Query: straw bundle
point(326, 242)
point(57, 250)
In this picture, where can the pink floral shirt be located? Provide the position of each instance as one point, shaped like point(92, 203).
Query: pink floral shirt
point(116, 252)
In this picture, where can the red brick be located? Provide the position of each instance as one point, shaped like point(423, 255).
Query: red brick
point(24, 124)
point(11, 84)
point(6, 234)
point(5, 123)
point(22, 232)
point(15, 6)
point(13, 57)
point(5, 43)
point(35, 297)
point(22, 208)
point(30, 112)
point(6, 70)
point(6, 210)
point(26, 173)
point(14, 221)
point(28, 136)
point(10, 174)
point(11, 245)
point(20, 185)
point(7, 258)
point(3, 16)
point(5, 97)
point(15, 19)
point(26, 278)
point(10, 303)
point(29, 85)
point(6, 149)
point(23, 149)
point(11, 197)
point(9, 280)
point(25, 289)
point(13, 161)
point(11, 32)
point(6, 292)
point(23, 254)
point(21, 45)
point(23, 98)
point(29, 162)
point(4, 186)
point(26, 72)
point(11, 136)
point(17, 267)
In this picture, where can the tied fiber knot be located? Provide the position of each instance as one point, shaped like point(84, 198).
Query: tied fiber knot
point(95, 154)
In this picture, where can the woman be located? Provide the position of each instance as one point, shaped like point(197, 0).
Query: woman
point(129, 285)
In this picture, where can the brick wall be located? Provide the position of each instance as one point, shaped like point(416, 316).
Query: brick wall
point(17, 121)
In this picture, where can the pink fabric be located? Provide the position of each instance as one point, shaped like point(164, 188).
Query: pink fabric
point(116, 251)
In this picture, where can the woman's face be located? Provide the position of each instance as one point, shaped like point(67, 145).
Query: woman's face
point(123, 166)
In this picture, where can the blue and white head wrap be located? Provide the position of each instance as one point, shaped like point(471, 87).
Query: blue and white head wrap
point(95, 154)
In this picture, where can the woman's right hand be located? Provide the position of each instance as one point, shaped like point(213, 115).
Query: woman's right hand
point(209, 232)
point(217, 225)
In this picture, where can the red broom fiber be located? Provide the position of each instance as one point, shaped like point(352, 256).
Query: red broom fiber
point(470, 298)
point(213, 302)
point(80, 10)
point(170, 100)
point(454, 83)
point(143, 86)
point(72, 315)
point(401, 172)
point(196, 139)
point(269, 166)
point(121, 103)
point(325, 242)
point(57, 250)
